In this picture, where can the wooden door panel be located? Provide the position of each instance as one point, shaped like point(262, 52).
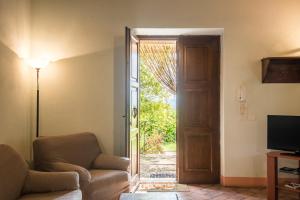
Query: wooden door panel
point(198, 145)
point(196, 64)
point(133, 108)
point(197, 103)
point(132, 105)
point(134, 59)
point(134, 155)
point(134, 130)
point(198, 80)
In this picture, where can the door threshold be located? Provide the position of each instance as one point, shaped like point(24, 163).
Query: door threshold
point(158, 180)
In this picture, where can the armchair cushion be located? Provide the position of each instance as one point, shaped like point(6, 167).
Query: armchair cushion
point(78, 149)
point(50, 181)
point(84, 174)
point(61, 195)
point(111, 162)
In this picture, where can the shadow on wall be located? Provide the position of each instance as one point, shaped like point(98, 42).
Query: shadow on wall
point(15, 103)
point(74, 99)
point(289, 52)
point(15, 26)
point(72, 31)
point(85, 75)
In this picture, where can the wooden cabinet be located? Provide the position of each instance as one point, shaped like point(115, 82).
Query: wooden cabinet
point(273, 185)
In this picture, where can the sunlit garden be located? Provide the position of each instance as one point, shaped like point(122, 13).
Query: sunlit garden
point(158, 116)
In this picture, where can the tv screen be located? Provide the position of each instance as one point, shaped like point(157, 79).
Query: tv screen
point(284, 132)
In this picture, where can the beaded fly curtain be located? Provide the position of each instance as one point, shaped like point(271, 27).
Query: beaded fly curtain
point(160, 57)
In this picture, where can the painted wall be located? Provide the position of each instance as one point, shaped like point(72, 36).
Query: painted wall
point(15, 77)
point(84, 88)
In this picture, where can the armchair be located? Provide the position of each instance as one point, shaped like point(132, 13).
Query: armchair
point(18, 182)
point(101, 176)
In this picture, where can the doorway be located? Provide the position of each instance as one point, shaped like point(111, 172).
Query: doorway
point(197, 102)
point(157, 56)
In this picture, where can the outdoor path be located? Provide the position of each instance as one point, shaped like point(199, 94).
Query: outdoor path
point(158, 165)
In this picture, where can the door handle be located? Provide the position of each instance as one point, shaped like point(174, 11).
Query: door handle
point(135, 112)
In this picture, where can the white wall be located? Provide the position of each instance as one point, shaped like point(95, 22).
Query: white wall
point(15, 77)
point(84, 90)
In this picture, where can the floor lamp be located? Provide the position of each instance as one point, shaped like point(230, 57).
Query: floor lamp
point(38, 65)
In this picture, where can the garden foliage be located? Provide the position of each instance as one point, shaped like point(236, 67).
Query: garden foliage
point(157, 116)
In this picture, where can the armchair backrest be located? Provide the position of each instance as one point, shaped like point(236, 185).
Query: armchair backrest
point(13, 172)
point(79, 149)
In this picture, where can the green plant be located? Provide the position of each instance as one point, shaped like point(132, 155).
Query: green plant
point(170, 147)
point(153, 143)
point(157, 116)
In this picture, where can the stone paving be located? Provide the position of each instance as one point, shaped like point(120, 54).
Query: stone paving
point(158, 166)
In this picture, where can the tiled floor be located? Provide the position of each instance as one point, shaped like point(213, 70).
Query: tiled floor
point(217, 192)
point(213, 192)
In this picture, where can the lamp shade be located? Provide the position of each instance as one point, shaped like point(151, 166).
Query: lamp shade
point(38, 63)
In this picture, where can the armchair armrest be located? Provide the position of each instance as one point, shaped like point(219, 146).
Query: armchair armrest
point(111, 162)
point(50, 181)
point(84, 174)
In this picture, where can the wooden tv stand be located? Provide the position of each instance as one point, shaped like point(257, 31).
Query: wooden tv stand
point(272, 173)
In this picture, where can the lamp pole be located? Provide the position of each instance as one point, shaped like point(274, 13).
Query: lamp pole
point(37, 101)
point(37, 64)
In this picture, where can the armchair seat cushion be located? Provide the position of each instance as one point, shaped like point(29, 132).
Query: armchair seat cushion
point(63, 195)
point(107, 184)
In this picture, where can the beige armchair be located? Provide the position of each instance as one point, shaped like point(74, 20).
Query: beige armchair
point(101, 177)
point(18, 182)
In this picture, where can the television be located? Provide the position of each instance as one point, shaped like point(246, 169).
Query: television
point(284, 133)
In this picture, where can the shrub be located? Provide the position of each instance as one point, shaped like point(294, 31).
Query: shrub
point(153, 144)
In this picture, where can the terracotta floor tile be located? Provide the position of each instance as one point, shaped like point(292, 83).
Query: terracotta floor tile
point(217, 192)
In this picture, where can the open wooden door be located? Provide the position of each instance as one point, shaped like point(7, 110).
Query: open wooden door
point(132, 104)
point(198, 101)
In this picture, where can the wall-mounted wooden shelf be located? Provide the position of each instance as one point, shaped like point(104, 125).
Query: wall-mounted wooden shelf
point(281, 70)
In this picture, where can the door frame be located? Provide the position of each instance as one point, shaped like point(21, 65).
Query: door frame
point(176, 37)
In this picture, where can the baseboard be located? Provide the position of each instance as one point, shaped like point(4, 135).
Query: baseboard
point(244, 181)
